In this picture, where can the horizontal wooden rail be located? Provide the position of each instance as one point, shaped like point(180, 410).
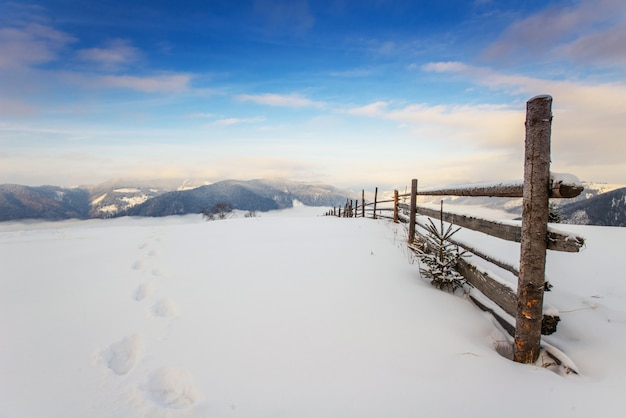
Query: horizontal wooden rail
point(486, 257)
point(558, 190)
point(386, 201)
point(556, 241)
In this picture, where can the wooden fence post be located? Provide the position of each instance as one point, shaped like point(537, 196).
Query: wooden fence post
point(412, 210)
point(375, 198)
point(535, 211)
point(395, 206)
point(362, 203)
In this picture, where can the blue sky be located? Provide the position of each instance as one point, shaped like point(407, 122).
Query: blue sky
point(352, 93)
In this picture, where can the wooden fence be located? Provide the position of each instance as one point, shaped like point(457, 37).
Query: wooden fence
point(523, 303)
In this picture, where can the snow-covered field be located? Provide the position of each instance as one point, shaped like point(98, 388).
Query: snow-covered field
point(285, 315)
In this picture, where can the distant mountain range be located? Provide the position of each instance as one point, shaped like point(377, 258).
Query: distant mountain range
point(599, 204)
point(158, 198)
point(45, 202)
point(608, 209)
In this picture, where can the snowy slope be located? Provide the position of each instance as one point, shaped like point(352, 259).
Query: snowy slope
point(284, 315)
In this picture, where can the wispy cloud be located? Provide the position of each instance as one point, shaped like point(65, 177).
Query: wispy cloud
point(30, 45)
point(372, 109)
point(583, 31)
point(236, 121)
point(291, 100)
point(494, 126)
point(608, 98)
point(172, 83)
point(115, 54)
point(199, 115)
point(604, 48)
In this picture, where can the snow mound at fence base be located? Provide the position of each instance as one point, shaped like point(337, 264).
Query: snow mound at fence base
point(287, 314)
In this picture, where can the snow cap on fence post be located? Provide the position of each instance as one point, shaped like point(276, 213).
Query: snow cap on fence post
point(534, 229)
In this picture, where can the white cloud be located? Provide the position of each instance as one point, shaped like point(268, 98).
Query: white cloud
point(291, 100)
point(199, 115)
point(476, 126)
point(605, 48)
point(372, 109)
point(586, 31)
point(172, 83)
point(115, 54)
point(236, 121)
point(31, 45)
point(609, 98)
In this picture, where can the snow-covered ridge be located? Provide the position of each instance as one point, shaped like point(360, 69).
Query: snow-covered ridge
point(127, 190)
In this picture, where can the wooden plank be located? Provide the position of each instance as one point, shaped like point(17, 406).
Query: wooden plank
point(499, 190)
point(503, 296)
point(496, 229)
point(555, 240)
point(486, 257)
point(564, 243)
point(558, 190)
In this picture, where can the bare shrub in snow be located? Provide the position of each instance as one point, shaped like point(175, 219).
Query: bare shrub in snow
point(222, 210)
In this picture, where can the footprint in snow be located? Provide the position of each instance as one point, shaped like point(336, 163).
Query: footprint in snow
point(171, 388)
point(164, 308)
point(122, 355)
point(143, 291)
point(138, 265)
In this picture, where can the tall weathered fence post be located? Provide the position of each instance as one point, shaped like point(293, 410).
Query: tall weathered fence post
point(362, 203)
point(375, 198)
point(395, 206)
point(535, 211)
point(412, 210)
